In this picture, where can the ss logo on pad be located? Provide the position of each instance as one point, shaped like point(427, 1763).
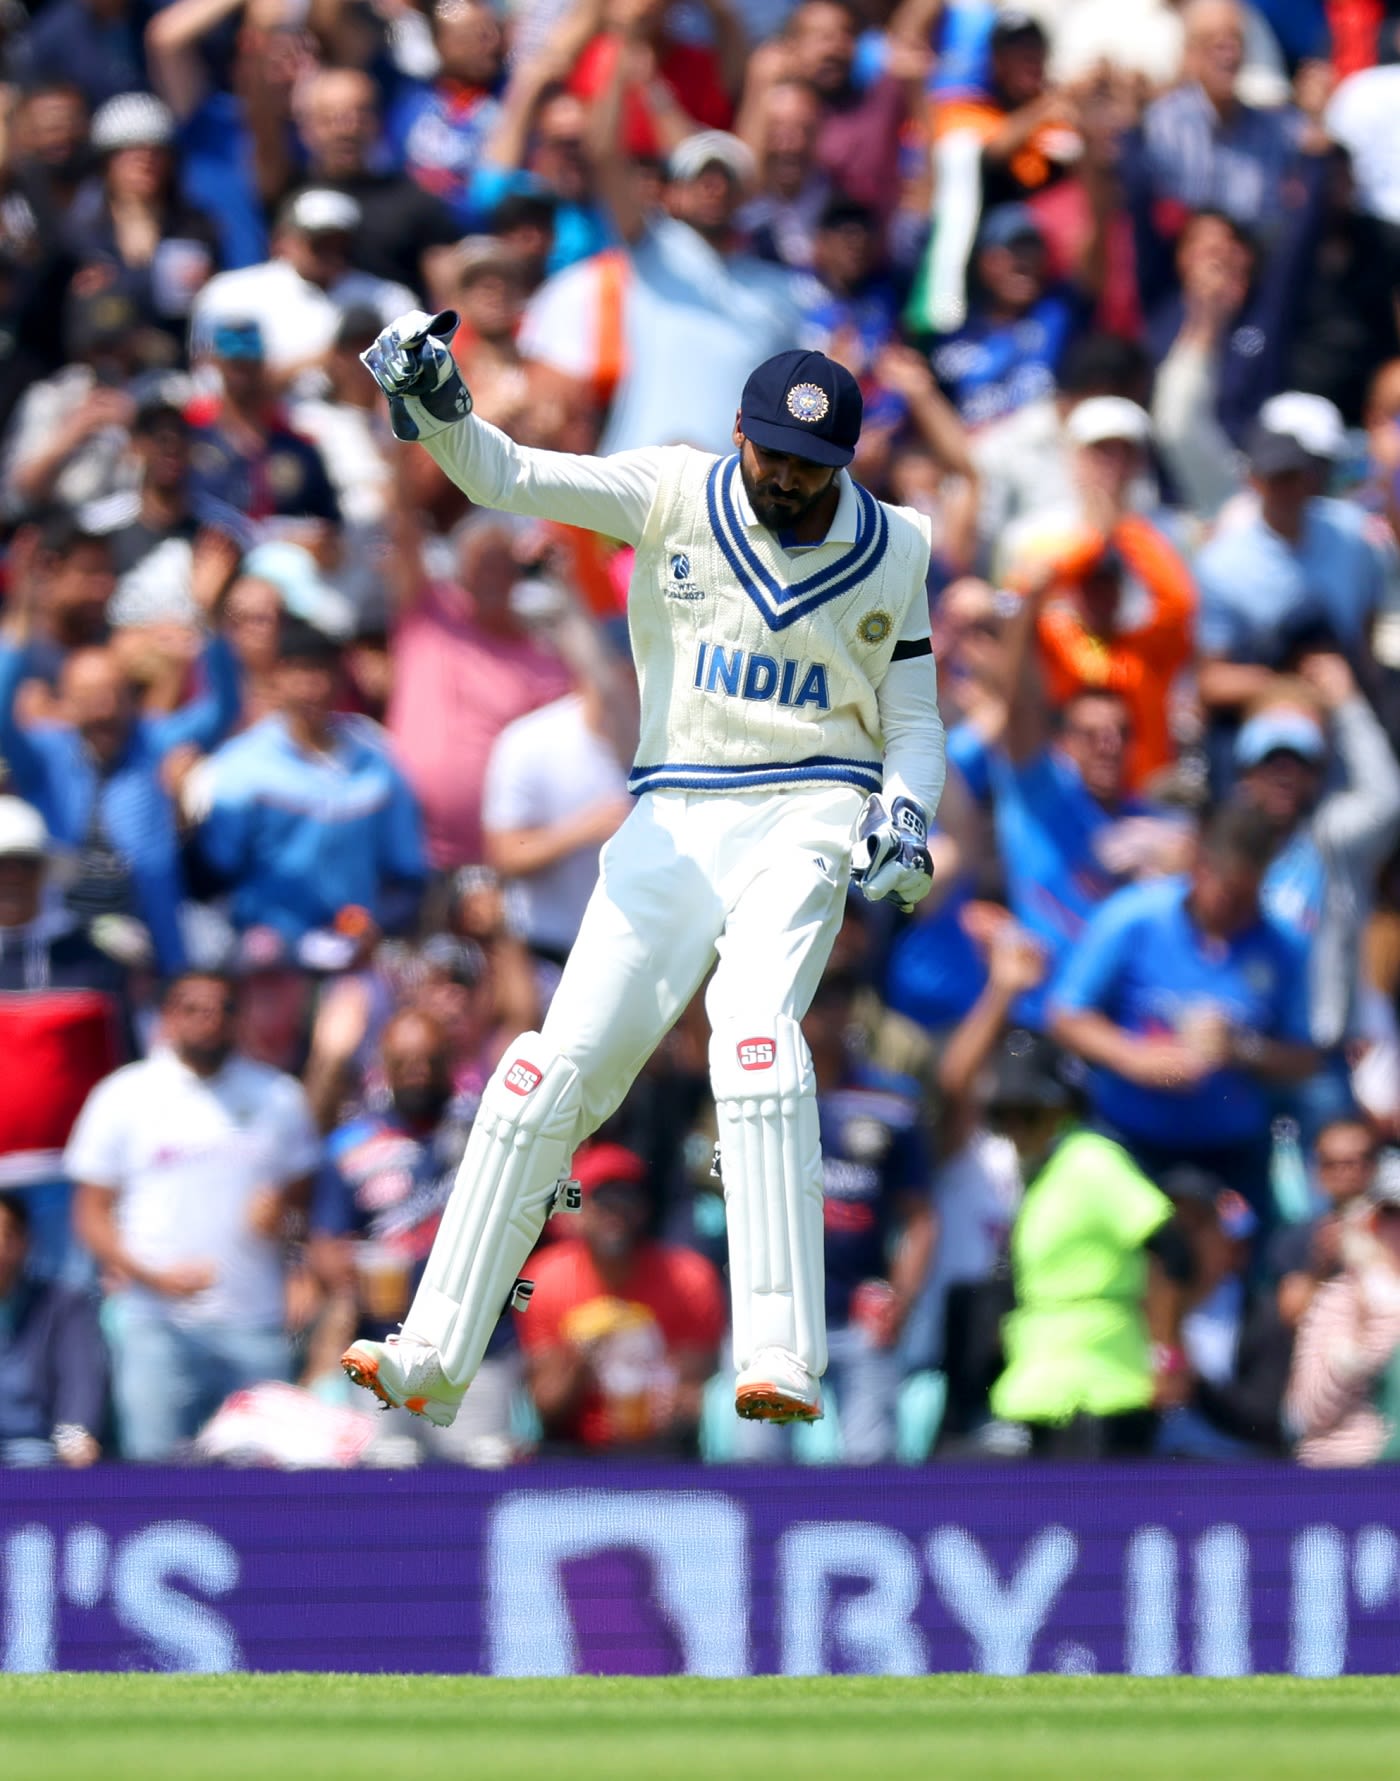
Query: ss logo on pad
point(523, 1078)
point(756, 1054)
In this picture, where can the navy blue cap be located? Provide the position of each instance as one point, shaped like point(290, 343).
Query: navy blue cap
point(804, 404)
point(1005, 224)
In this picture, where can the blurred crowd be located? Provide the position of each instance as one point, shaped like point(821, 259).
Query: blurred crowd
point(307, 767)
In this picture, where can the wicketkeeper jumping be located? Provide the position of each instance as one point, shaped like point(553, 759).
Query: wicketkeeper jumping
point(790, 742)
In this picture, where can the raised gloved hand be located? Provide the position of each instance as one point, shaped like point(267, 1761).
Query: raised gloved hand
point(411, 358)
point(890, 857)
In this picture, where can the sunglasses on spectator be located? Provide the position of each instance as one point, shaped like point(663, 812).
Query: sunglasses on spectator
point(1361, 1159)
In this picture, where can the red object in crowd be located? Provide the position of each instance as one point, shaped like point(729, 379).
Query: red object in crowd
point(57, 1046)
point(691, 72)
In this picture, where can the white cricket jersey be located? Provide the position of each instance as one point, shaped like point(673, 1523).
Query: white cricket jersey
point(758, 668)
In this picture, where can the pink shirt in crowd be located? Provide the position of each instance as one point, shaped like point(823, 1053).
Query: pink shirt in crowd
point(1346, 1340)
point(456, 687)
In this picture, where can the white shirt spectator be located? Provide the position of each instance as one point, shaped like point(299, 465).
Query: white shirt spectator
point(186, 1156)
point(544, 768)
point(297, 318)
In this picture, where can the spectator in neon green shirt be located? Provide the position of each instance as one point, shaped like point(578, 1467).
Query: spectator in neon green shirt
point(1082, 1368)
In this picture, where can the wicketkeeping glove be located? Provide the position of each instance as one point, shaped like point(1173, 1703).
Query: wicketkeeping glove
point(411, 358)
point(890, 857)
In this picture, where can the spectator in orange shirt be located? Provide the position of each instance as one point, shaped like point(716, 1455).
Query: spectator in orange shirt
point(1121, 610)
point(622, 1332)
point(1025, 125)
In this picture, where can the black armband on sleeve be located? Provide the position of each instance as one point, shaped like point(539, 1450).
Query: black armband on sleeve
point(910, 647)
point(1169, 1244)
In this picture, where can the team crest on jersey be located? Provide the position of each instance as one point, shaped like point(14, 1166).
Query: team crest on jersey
point(808, 402)
point(679, 586)
point(875, 627)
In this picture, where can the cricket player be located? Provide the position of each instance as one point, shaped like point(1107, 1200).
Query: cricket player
point(790, 742)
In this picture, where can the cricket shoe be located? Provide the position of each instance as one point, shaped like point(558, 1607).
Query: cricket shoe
point(776, 1387)
point(405, 1373)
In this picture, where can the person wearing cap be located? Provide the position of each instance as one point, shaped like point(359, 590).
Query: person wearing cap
point(298, 295)
point(1019, 323)
point(790, 740)
point(1299, 570)
point(1117, 604)
point(1332, 843)
point(490, 293)
point(307, 818)
point(1189, 1004)
point(136, 219)
point(65, 1023)
point(694, 298)
point(246, 463)
point(848, 302)
point(1343, 1402)
point(621, 1332)
point(1095, 1268)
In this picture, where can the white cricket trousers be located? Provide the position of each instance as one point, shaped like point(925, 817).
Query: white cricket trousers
point(756, 880)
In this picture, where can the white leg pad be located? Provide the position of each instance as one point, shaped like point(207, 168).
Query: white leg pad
point(521, 1142)
point(771, 1165)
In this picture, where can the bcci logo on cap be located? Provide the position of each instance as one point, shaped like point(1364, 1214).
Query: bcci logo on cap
point(756, 1054)
point(808, 402)
point(523, 1078)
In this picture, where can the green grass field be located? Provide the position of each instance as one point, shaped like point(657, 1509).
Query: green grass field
point(957, 1728)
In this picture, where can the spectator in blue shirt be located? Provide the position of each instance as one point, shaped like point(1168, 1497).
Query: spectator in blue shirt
point(1200, 146)
point(1332, 842)
point(96, 779)
point(849, 305)
point(540, 146)
point(439, 132)
point(1018, 323)
point(309, 821)
point(246, 462)
point(94, 45)
point(1301, 568)
point(53, 1361)
point(1068, 831)
point(1190, 1005)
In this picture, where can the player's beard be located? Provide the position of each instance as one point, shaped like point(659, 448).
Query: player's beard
point(774, 508)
